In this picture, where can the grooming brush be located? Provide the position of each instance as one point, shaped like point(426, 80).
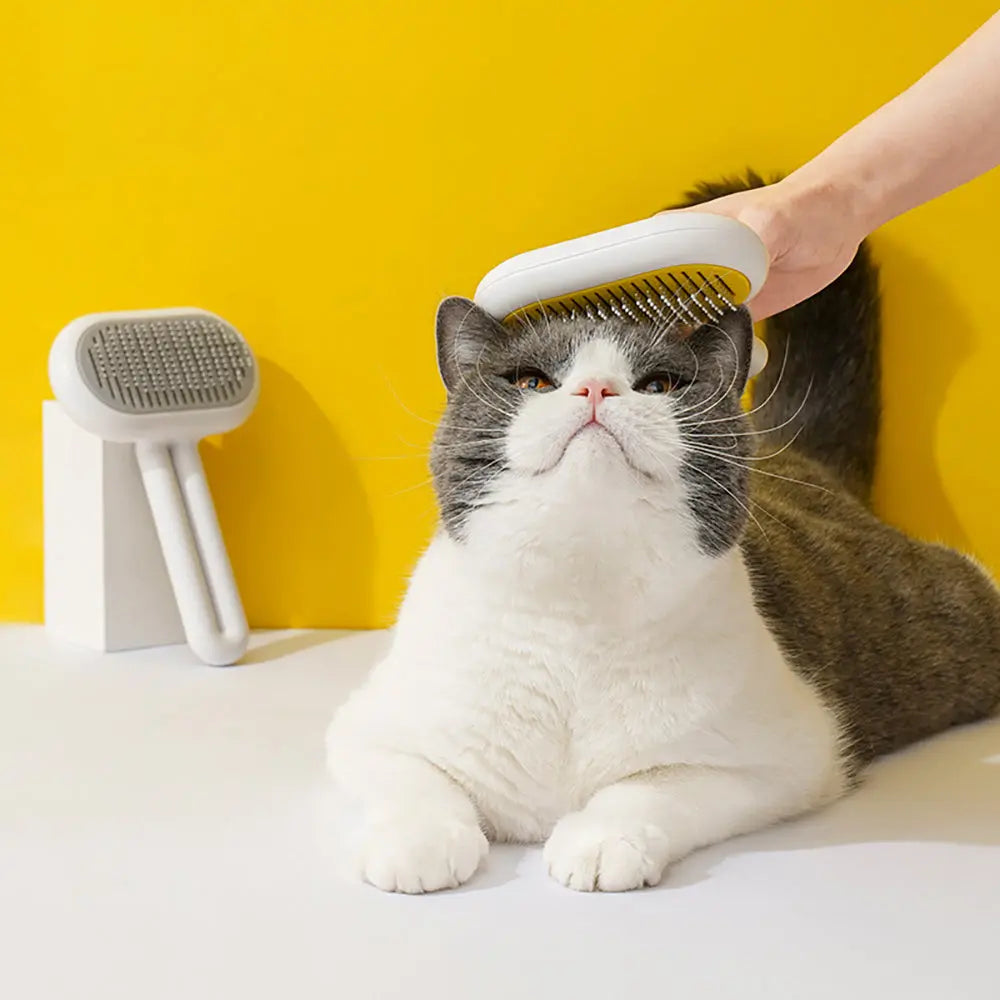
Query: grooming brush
point(687, 268)
point(162, 379)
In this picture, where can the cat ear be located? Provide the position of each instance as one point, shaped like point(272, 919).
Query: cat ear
point(729, 342)
point(463, 332)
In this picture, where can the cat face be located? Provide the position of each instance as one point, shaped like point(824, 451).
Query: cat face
point(565, 413)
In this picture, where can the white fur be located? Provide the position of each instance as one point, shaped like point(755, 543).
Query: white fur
point(577, 672)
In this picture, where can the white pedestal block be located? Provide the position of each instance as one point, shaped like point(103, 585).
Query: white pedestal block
point(106, 585)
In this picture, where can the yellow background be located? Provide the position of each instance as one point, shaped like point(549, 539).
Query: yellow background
point(321, 173)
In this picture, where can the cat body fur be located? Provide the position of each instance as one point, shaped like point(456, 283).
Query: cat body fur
point(596, 656)
point(622, 642)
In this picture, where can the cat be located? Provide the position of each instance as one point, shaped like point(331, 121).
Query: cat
point(651, 620)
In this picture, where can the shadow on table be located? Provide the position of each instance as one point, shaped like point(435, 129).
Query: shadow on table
point(945, 790)
point(283, 646)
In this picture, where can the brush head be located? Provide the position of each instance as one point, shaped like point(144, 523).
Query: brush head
point(693, 294)
point(645, 272)
point(161, 374)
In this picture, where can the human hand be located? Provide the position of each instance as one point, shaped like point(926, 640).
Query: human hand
point(811, 234)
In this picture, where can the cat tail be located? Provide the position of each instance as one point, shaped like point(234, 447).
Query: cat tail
point(821, 386)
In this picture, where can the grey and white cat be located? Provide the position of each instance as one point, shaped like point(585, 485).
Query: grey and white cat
point(650, 620)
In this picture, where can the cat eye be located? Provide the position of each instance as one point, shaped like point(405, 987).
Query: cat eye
point(659, 383)
point(530, 380)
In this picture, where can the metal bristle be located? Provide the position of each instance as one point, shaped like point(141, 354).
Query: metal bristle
point(727, 296)
point(705, 303)
point(680, 297)
point(661, 298)
point(612, 305)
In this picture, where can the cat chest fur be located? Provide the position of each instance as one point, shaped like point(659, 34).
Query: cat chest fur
point(538, 731)
point(533, 709)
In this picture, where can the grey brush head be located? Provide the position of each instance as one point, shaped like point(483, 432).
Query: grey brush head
point(181, 361)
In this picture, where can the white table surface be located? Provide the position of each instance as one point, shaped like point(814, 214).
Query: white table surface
point(164, 833)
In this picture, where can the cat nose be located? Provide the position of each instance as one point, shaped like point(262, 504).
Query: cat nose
point(595, 389)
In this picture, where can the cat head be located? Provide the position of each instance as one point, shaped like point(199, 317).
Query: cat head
point(607, 416)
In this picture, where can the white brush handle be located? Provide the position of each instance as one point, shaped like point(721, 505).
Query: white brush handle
point(193, 550)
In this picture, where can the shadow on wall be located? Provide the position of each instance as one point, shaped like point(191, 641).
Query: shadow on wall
point(927, 338)
point(311, 567)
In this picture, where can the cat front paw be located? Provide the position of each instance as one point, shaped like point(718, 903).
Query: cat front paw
point(589, 852)
point(421, 855)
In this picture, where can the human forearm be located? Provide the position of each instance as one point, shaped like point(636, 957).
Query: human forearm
point(938, 134)
point(935, 136)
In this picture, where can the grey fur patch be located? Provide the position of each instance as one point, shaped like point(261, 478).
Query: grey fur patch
point(714, 467)
point(468, 448)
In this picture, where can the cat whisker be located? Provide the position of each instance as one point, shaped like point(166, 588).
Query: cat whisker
point(504, 411)
point(459, 447)
point(777, 382)
point(472, 428)
point(729, 459)
point(410, 489)
point(755, 432)
point(478, 471)
point(491, 406)
point(667, 474)
point(761, 430)
point(701, 472)
point(732, 382)
point(403, 406)
point(694, 378)
point(718, 396)
point(772, 454)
